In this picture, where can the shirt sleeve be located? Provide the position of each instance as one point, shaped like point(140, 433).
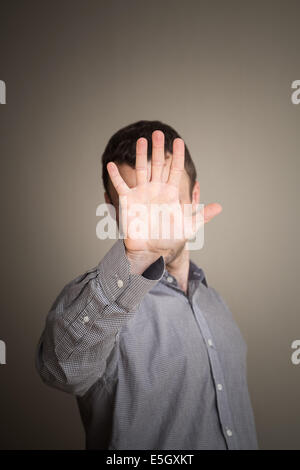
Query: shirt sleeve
point(82, 324)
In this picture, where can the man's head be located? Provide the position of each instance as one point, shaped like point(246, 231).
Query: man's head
point(121, 149)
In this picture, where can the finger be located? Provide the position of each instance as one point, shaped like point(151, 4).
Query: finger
point(177, 164)
point(141, 163)
point(116, 179)
point(198, 215)
point(158, 155)
point(211, 210)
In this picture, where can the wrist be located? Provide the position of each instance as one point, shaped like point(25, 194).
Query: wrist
point(140, 260)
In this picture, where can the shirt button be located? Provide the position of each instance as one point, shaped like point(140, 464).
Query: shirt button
point(85, 319)
point(220, 387)
point(209, 341)
point(169, 279)
point(120, 283)
point(229, 432)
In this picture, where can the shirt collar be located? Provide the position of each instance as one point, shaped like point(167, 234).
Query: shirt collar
point(195, 274)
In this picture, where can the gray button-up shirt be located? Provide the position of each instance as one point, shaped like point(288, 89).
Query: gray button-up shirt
point(151, 367)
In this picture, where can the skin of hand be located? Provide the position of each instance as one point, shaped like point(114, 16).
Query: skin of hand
point(163, 180)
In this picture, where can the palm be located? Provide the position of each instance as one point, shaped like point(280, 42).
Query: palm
point(149, 196)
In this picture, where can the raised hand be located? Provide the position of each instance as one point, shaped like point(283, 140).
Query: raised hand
point(151, 191)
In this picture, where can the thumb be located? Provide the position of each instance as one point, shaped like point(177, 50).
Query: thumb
point(211, 210)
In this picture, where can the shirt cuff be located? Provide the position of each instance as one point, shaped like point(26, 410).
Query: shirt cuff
point(121, 286)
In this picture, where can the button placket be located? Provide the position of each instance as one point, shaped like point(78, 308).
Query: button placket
point(222, 398)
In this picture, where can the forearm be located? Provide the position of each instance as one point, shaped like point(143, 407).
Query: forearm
point(82, 324)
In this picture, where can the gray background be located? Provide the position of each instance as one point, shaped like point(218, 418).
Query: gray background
point(220, 73)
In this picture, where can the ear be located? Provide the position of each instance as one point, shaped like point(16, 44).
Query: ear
point(111, 207)
point(107, 198)
point(196, 193)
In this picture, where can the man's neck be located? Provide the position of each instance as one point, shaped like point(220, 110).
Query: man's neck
point(179, 268)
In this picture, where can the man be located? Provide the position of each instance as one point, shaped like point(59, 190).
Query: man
point(151, 352)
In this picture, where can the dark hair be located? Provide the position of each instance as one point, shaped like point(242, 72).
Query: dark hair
point(121, 147)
